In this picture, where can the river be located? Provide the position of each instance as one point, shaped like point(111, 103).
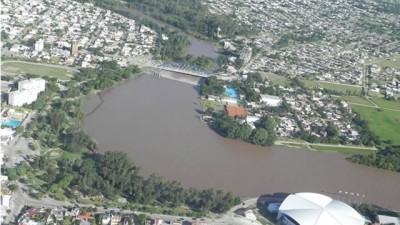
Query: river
point(155, 120)
point(197, 47)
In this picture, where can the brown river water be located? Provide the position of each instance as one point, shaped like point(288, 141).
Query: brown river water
point(156, 121)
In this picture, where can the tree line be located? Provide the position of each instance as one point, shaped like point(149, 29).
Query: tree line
point(387, 158)
point(172, 48)
point(192, 17)
point(115, 174)
point(264, 134)
point(58, 125)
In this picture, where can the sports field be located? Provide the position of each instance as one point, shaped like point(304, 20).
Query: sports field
point(384, 123)
point(14, 67)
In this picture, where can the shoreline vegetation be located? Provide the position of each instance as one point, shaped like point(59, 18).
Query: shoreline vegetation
point(373, 152)
point(70, 172)
point(188, 16)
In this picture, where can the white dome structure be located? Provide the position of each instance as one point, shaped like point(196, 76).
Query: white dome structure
point(316, 209)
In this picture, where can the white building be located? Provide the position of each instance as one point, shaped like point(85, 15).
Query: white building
point(5, 201)
point(317, 209)
point(27, 93)
point(39, 45)
point(271, 100)
point(6, 136)
point(35, 84)
point(20, 98)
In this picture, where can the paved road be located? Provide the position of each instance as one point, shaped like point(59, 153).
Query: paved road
point(21, 199)
point(18, 146)
point(350, 85)
point(325, 145)
point(375, 106)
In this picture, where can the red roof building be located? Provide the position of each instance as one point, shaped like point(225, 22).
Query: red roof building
point(85, 216)
point(235, 111)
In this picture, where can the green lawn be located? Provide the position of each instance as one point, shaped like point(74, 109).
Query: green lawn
point(341, 88)
point(384, 123)
point(311, 83)
point(356, 99)
point(390, 63)
point(277, 79)
point(37, 69)
point(341, 150)
point(217, 106)
point(378, 82)
point(386, 104)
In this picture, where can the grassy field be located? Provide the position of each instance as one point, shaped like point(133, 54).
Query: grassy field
point(311, 83)
point(390, 63)
point(386, 104)
point(13, 68)
point(356, 99)
point(384, 123)
point(341, 88)
point(217, 106)
point(344, 151)
point(375, 94)
point(276, 79)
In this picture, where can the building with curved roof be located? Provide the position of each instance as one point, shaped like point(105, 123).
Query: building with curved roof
point(316, 209)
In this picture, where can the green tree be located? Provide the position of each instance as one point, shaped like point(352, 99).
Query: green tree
point(244, 132)
point(239, 63)
point(13, 187)
point(19, 130)
point(47, 46)
point(142, 219)
point(99, 219)
point(12, 174)
point(4, 35)
point(259, 136)
point(31, 42)
point(332, 130)
point(212, 86)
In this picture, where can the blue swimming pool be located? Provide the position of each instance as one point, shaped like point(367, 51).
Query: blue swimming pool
point(11, 123)
point(231, 92)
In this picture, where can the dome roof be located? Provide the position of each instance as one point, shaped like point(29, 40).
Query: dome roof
point(317, 209)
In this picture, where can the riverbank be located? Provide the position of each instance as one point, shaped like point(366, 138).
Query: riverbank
point(156, 121)
point(342, 149)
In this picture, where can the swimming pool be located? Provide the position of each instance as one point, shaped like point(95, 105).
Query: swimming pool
point(11, 123)
point(231, 92)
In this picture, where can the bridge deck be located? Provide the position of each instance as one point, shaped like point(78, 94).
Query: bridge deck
point(184, 71)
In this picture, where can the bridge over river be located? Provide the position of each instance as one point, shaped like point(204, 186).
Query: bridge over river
point(184, 69)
